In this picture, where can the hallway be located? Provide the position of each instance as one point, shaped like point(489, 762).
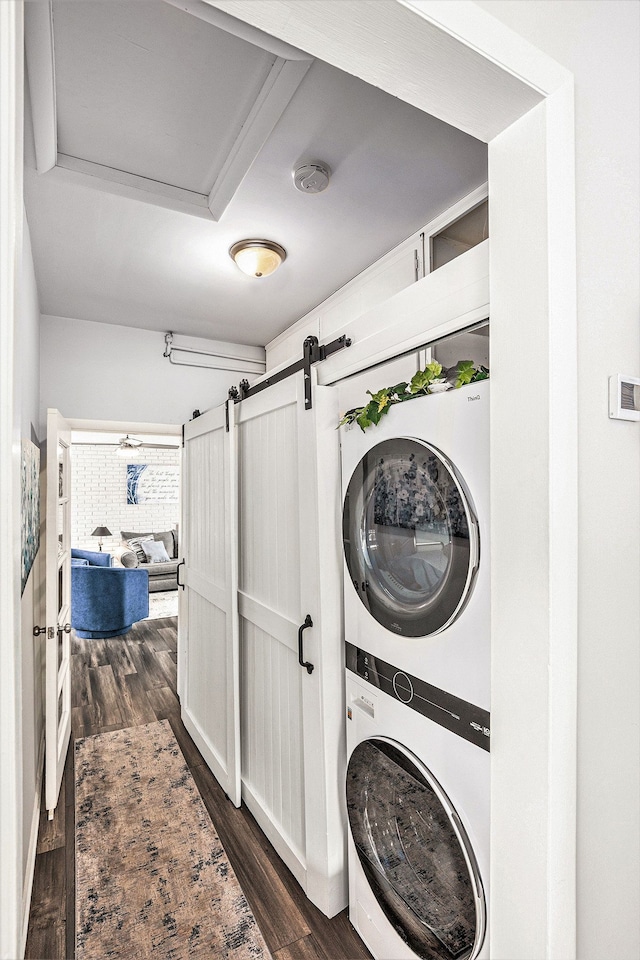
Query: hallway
point(131, 681)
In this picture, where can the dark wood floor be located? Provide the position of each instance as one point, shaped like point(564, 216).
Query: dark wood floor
point(130, 681)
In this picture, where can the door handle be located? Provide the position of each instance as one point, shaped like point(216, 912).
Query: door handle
point(308, 622)
point(181, 564)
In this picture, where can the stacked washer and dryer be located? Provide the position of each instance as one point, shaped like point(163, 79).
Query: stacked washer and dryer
point(417, 620)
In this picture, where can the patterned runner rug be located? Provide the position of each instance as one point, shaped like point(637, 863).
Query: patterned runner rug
point(152, 878)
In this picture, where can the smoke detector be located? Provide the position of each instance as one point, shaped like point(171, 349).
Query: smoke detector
point(311, 177)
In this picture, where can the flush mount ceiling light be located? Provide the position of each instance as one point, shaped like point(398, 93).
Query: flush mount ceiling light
point(257, 258)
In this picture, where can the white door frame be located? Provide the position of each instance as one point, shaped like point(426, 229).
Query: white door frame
point(459, 63)
point(11, 214)
point(453, 60)
point(57, 605)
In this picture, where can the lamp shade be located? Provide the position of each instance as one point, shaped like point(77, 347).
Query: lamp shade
point(257, 258)
point(101, 532)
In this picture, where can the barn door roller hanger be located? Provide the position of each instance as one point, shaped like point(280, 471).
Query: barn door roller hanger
point(312, 352)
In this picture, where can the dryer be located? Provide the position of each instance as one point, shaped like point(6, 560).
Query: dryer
point(418, 807)
point(416, 545)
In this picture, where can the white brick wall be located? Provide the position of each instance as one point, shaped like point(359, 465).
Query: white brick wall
point(99, 495)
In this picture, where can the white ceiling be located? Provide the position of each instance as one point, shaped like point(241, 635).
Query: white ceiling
point(156, 92)
point(138, 88)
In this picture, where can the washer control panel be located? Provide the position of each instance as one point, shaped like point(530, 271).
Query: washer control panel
point(462, 718)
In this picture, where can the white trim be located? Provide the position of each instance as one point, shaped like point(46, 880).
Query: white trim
point(447, 300)
point(125, 426)
point(563, 524)
point(389, 44)
point(33, 847)
point(86, 172)
point(282, 82)
point(533, 546)
point(495, 42)
point(204, 11)
point(11, 221)
point(38, 19)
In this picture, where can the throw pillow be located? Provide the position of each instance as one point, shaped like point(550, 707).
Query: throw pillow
point(165, 537)
point(155, 551)
point(136, 546)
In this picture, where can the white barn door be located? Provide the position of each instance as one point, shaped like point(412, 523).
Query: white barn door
point(208, 677)
point(289, 564)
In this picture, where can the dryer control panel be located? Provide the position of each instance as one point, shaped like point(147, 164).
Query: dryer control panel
point(462, 718)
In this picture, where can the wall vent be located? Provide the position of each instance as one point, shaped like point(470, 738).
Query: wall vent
point(624, 397)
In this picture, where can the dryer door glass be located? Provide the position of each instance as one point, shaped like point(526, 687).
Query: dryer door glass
point(414, 852)
point(410, 537)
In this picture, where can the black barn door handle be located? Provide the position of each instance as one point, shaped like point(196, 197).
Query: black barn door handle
point(181, 564)
point(308, 622)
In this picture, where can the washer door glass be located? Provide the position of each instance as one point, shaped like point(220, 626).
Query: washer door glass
point(410, 537)
point(415, 852)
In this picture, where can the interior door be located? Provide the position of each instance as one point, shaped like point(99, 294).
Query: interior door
point(58, 604)
point(291, 678)
point(208, 671)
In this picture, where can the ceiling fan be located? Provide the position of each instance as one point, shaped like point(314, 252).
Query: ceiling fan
point(128, 446)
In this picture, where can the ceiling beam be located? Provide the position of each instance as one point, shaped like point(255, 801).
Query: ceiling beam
point(282, 81)
point(38, 25)
point(203, 10)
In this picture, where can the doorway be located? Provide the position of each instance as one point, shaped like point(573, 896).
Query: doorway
point(125, 489)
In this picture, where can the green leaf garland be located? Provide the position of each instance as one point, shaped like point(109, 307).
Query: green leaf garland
point(382, 400)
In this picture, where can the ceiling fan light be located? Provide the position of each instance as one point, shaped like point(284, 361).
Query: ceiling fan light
point(257, 258)
point(128, 447)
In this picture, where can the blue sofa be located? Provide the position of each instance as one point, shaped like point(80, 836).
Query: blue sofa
point(94, 558)
point(105, 601)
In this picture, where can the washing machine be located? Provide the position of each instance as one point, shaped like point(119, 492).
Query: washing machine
point(417, 797)
point(416, 544)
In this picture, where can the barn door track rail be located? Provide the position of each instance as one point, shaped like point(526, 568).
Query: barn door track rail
point(312, 352)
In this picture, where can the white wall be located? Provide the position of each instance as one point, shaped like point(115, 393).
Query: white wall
point(102, 371)
point(27, 363)
point(99, 495)
point(599, 42)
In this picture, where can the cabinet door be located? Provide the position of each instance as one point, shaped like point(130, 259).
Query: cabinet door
point(289, 574)
point(208, 678)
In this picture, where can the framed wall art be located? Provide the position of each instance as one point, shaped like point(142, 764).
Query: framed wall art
point(30, 507)
point(150, 483)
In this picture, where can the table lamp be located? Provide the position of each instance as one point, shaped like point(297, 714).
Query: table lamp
point(101, 532)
